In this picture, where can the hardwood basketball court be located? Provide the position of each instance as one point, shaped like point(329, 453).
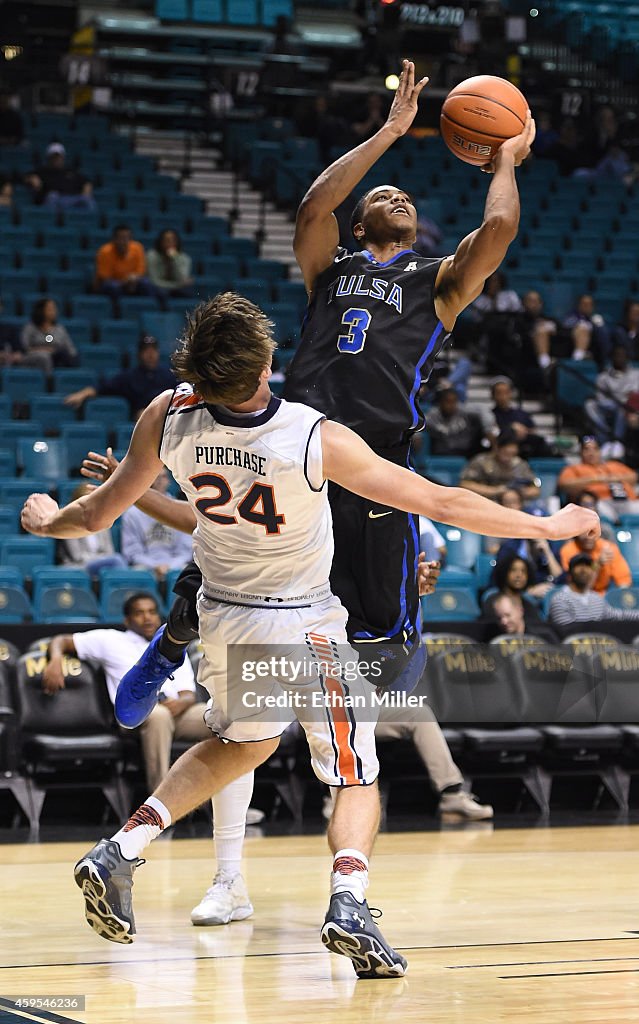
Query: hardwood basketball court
point(531, 925)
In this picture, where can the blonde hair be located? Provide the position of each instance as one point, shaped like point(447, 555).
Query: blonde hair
point(227, 345)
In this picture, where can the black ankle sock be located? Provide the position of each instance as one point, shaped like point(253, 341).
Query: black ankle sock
point(170, 648)
point(457, 788)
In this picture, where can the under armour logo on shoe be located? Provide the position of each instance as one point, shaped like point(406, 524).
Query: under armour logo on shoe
point(360, 920)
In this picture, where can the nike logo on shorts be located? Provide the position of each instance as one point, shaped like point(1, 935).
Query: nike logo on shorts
point(378, 515)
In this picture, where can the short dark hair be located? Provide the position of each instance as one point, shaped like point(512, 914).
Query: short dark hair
point(157, 245)
point(504, 565)
point(356, 216)
point(139, 595)
point(227, 344)
point(121, 227)
point(507, 437)
point(37, 313)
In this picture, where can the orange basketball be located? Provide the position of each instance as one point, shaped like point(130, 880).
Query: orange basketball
point(479, 114)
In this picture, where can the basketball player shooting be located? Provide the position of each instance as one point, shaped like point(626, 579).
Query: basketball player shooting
point(253, 469)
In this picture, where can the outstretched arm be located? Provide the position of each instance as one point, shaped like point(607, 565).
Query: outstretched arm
point(316, 231)
point(169, 511)
point(461, 277)
point(349, 461)
point(98, 510)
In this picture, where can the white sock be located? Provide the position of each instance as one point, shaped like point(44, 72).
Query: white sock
point(142, 828)
point(544, 360)
point(229, 823)
point(350, 873)
point(578, 355)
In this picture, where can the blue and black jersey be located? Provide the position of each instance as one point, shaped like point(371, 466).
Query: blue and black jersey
point(369, 338)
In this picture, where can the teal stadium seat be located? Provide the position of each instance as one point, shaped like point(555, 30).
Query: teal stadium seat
point(81, 438)
point(66, 604)
point(109, 411)
point(447, 605)
point(625, 598)
point(25, 553)
point(15, 606)
point(67, 380)
point(19, 381)
point(102, 360)
point(46, 458)
point(58, 576)
point(51, 411)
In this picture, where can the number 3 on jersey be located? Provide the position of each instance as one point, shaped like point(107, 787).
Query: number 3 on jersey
point(358, 321)
point(248, 508)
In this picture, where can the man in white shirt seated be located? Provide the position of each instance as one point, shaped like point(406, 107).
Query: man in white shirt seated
point(179, 715)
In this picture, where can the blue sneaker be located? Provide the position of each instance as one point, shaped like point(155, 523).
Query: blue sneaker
point(139, 688)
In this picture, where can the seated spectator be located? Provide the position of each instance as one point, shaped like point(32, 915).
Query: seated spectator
point(512, 621)
point(568, 149)
point(169, 268)
point(607, 155)
point(509, 416)
point(606, 558)
point(590, 335)
point(612, 481)
point(509, 498)
point(429, 236)
point(44, 343)
point(375, 117)
point(589, 500)
point(453, 430)
point(614, 386)
point(513, 577)
point(93, 552)
point(177, 716)
point(497, 297)
point(530, 355)
point(491, 473)
point(630, 437)
point(540, 557)
point(627, 332)
point(148, 544)
point(120, 266)
point(59, 186)
point(578, 602)
point(6, 192)
point(139, 385)
point(11, 123)
point(431, 541)
point(546, 135)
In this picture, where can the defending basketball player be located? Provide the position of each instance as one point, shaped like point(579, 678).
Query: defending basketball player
point(253, 468)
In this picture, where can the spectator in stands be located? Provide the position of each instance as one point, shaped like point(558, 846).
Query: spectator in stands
point(375, 116)
point(546, 136)
point(606, 557)
point(612, 481)
point(631, 431)
point(177, 716)
point(169, 268)
point(44, 343)
point(11, 123)
point(509, 498)
point(590, 335)
point(59, 186)
point(431, 541)
point(6, 192)
point(540, 557)
point(148, 544)
point(453, 430)
point(578, 602)
point(120, 266)
point(627, 332)
point(139, 385)
point(321, 123)
point(589, 500)
point(614, 386)
point(93, 552)
point(429, 236)
point(514, 577)
point(568, 149)
point(509, 416)
point(496, 297)
point(512, 621)
point(491, 473)
point(537, 329)
point(606, 153)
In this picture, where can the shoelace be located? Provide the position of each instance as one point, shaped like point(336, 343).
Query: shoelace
point(375, 913)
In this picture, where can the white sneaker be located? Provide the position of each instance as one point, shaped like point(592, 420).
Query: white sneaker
point(465, 805)
point(226, 900)
point(254, 816)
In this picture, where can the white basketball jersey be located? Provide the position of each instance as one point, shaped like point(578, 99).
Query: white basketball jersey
point(264, 528)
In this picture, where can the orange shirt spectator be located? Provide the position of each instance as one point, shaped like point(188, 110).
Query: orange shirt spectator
point(596, 475)
point(114, 265)
point(607, 558)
